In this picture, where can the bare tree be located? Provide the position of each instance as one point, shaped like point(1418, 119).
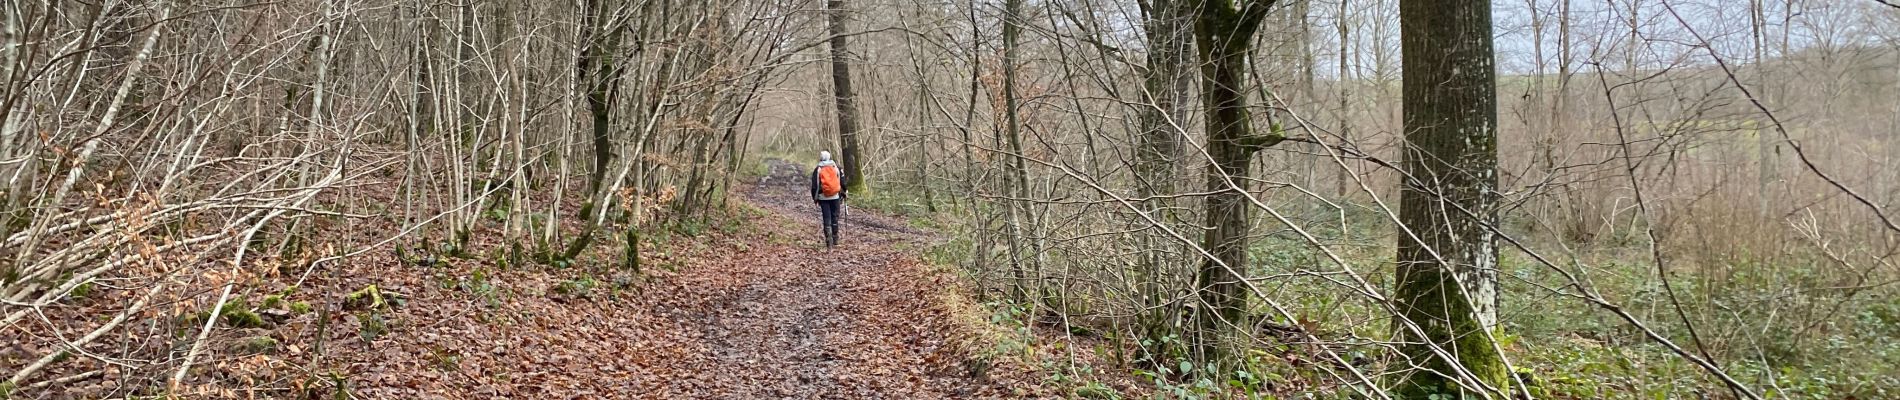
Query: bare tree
point(602, 31)
point(1223, 33)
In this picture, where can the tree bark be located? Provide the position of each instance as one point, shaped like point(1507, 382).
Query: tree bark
point(1165, 88)
point(1344, 187)
point(1558, 123)
point(1223, 36)
point(1018, 207)
point(846, 100)
point(1165, 94)
point(597, 69)
point(1764, 73)
point(1447, 266)
point(980, 246)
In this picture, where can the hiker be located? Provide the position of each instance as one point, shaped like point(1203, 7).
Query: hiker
point(827, 189)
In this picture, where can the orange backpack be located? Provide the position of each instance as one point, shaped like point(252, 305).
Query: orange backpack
point(828, 184)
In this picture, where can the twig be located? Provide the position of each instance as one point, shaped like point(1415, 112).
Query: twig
point(65, 379)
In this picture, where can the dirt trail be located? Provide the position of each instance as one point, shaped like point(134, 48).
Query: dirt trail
point(804, 322)
point(761, 314)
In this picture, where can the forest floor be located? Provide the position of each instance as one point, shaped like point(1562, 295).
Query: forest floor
point(749, 305)
point(763, 312)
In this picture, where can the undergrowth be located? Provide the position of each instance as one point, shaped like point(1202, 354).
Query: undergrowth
point(1768, 319)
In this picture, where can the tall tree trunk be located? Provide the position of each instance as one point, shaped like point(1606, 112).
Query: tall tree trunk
point(1309, 67)
point(1165, 91)
point(1165, 88)
point(469, 130)
point(1757, 24)
point(422, 113)
point(10, 49)
point(1538, 129)
point(1558, 121)
point(1630, 41)
point(465, 79)
point(1018, 176)
point(1301, 17)
point(1447, 277)
point(1346, 182)
point(1223, 35)
point(597, 69)
point(980, 247)
point(846, 100)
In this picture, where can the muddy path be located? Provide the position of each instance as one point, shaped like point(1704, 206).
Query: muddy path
point(800, 321)
point(761, 313)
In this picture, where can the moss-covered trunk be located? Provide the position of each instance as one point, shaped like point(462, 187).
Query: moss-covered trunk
point(1447, 268)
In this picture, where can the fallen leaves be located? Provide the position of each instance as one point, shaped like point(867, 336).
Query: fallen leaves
point(756, 312)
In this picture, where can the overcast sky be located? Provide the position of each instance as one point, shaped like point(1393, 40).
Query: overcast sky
point(1601, 29)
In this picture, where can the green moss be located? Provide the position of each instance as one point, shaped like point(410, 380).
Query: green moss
point(242, 318)
point(235, 313)
point(299, 307)
point(369, 297)
point(255, 345)
point(459, 249)
point(403, 255)
point(587, 209)
point(1431, 298)
point(500, 257)
point(630, 253)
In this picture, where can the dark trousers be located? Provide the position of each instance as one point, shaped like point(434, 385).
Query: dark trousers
point(829, 209)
